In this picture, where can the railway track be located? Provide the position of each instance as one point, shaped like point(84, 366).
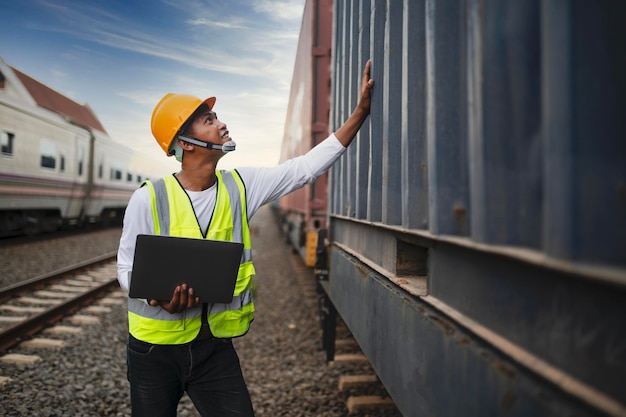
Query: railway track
point(78, 365)
point(30, 306)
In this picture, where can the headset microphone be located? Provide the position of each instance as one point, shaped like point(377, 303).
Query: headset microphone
point(225, 147)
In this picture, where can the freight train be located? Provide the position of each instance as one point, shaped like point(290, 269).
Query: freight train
point(473, 236)
point(58, 166)
point(303, 212)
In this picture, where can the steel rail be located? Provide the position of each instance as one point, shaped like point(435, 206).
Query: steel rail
point(11, 290)
point(32, 325)
point(15, 334)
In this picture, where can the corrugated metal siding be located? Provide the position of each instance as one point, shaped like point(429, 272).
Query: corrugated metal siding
point(497, 121)
point(493, 167)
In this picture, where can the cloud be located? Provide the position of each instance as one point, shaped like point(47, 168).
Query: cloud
point(137, 96)
point(245, 45)
point(220, 25)
point(280, 9)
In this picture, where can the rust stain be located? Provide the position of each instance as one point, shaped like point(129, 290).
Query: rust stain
point(459, 211)
point(463, 341)
point(460, 218)
point(362, 270)
point(500, 366)
point(504, 369)
point(445, 326)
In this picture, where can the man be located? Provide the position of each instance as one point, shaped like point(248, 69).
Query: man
point(182, 345)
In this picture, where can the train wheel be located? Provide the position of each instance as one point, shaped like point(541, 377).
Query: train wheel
point(51, 221)
point(32, 224)
point(41, 221)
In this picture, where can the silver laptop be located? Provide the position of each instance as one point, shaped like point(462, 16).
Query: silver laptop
point(161, 263)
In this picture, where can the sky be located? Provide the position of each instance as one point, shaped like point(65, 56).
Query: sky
point(121, 57)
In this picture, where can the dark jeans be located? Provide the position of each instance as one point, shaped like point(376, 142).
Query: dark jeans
point(208, 370)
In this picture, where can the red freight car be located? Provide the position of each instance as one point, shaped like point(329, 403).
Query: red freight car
point(304, 211)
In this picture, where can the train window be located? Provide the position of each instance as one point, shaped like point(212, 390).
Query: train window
point(62, 163)
point(81, 158)
point(129, 177)
point(6, 141)
point(48, 154)
point(116, 174)
point(100, 170)
point(139, 178)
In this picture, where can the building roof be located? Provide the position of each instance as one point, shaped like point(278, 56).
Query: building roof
point(45, 97)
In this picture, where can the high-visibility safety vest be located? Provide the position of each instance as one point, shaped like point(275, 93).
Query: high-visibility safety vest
point(173, 215)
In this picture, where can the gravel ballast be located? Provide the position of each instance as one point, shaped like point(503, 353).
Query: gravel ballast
point(283, 364)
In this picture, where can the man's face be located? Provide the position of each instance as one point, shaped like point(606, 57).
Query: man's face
point(207, 127)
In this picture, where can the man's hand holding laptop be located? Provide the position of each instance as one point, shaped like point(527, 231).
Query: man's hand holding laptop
point(182, 299)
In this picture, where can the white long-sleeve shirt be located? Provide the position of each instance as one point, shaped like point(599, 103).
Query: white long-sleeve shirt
point(263, 185)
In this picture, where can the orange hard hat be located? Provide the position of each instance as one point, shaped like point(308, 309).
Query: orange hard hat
point(171, 114)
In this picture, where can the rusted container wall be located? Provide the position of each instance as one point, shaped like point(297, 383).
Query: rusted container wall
point(478, 222)
point(307, 121)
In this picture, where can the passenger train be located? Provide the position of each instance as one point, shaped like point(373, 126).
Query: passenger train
point(58, 166)
point(473, 236)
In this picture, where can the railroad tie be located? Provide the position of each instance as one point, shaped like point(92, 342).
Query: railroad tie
point(350, 381)
point(350, 357)
point(60, 329)
point(17, 358)
point(84, 319)
point(368, 401)
point(41, 342)
point(97, 309)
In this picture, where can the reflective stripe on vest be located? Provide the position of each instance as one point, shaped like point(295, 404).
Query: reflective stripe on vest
point(155, 325)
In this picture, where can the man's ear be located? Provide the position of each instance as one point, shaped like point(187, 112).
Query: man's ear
point(186, 146)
